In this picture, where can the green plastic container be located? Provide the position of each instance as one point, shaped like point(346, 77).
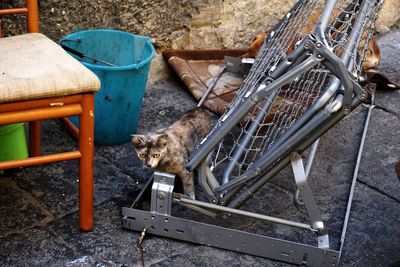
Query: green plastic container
point(13, 142)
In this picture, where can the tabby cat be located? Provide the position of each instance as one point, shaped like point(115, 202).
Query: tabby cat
point(168, 149)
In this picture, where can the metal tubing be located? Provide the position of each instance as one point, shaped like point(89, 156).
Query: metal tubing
point(310, 112)
point(289, 60)
point(288, 77)
point(328, 94)
point(332, 65)
point(336, 66)
point(257, 168)
point(356, 33)
point(342, 66)
point(40, 114)
point(344, 17)
point(321, 125)
point(211, 179)
point(355, 174)
point(227, 125)
point(280, 69)
point(352, 44)
point(289, 145)
point(356, 87)
point(248, 136)
point(202, 178)
point(245, 195)
point(39, 160)
point(324, 21)
point(244, 108)
point(243, 213)
point(231, 193)
point(311, 156)
point(198, 209)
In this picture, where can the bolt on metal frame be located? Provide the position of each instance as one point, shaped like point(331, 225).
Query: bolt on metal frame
point(304, 80)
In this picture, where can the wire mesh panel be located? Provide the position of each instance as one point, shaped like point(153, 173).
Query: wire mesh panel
point(348, 34)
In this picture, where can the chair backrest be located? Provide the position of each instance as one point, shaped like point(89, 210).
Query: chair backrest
point(32, 14)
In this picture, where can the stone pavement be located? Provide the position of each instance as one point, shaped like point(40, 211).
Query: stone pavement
point(38, 206)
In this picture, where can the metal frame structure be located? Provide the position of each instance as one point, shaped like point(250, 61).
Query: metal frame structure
point(303, 81)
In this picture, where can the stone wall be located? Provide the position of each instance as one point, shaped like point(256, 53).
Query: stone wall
point(180, 24)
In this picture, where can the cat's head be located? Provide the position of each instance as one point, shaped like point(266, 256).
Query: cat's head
point(150, 148)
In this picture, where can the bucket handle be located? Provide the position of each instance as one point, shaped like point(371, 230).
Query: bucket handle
point(81, 55)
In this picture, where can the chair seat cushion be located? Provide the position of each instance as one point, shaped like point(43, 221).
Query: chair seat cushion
point(32, 66)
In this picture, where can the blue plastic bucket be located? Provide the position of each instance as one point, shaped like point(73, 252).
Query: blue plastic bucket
point(119, 101)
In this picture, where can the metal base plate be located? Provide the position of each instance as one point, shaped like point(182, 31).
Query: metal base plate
point(230, 239)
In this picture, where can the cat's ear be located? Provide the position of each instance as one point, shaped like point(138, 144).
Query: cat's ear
point(162, 140)
point(138, 140)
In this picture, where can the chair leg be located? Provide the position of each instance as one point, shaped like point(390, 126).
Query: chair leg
point(34, 139)
point(86, 147)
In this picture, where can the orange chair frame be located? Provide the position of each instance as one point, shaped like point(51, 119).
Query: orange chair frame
point(34, 111)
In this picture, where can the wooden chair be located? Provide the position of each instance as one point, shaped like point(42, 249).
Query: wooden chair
point(40, 81)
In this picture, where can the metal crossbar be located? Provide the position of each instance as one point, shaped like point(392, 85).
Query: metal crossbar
point(305, 78)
